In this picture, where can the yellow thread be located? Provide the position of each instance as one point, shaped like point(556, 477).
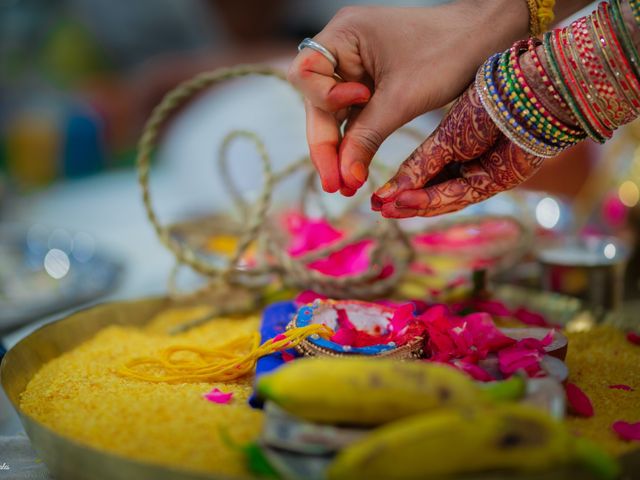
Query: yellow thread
point(187, 363)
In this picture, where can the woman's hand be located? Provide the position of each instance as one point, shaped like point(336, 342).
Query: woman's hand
point(395, 64)
point(466, 160)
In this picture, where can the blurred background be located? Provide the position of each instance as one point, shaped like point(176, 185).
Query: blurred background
point(78, 78)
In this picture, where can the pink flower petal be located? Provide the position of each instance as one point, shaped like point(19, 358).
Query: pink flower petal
point(218, 396)
point(579, 402)
point(308, 296)
point(280, 336)
point(627, 431)
point(351, 260)
point(529, 317)
point(474, 371)
point(287, 357)
point(621, 386)
point(308, 234)
point(492, 307)
point(633, 338)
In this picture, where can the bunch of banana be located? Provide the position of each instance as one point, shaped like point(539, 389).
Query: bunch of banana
point(371, 391)
point(457, 441)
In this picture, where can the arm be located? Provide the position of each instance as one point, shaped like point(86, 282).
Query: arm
point(478, 149)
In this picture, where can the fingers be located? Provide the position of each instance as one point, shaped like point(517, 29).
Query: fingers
point(365, 133)
point(323, 137)
point(465, 133)
point(313, 75)
point(503, 168)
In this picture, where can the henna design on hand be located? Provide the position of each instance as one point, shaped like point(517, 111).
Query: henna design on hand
point(464, 134)
point(502, 168)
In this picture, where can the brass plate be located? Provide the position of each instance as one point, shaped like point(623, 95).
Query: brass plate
point(65, 458)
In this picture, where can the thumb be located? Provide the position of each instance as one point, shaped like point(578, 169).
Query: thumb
point(365, 132)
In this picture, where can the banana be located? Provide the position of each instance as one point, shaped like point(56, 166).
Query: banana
point(467, 440)
point(371, 391)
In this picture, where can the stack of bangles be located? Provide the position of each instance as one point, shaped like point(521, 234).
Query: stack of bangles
point(592, 72)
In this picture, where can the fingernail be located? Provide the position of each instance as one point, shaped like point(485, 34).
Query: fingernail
point(386, 190)
point(359, 171)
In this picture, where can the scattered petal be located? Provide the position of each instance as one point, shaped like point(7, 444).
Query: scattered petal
point(529, 317)
point(634, 338)
point(627, 431)
point(218, 396)
point(474, 371)
point(492, 307)
point(287, 357)
point(621, 386)
point(579, 402)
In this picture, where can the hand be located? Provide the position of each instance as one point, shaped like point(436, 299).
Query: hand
point(396, 64)
point(466, 160)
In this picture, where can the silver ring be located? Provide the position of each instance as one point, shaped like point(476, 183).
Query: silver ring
point(312, 44)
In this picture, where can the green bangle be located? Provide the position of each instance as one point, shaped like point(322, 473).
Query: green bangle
point(521, 102)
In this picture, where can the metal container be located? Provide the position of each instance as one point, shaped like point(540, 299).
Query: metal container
point(65, 458)
point(590, 268)
point(69, 460)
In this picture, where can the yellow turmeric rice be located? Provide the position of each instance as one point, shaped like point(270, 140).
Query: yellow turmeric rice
point(598, 358)
point(80, 396)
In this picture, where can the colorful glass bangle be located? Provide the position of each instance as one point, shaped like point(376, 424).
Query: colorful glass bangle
point(624, 35)
point(568, 75)
point(623, 73)
point(597, 103)
point(625, 103)
point(502, 117)
point(635, 8)
point(557, 79)
point(539, 110)
point(546, 80)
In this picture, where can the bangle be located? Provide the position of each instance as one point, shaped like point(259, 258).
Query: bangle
point(616, 60)
point(568, 74)
point(540, 15)
point(502, 117)
point(564, 89)
point(624, 35)
point(635, 9)
point(533, 52)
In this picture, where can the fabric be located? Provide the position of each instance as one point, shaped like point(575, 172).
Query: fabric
point(274, 321)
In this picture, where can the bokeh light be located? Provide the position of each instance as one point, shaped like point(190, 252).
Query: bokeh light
point(548, 213)
point(629, 193)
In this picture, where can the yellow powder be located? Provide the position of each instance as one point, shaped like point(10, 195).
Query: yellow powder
point(598, 358)
point(80, 396)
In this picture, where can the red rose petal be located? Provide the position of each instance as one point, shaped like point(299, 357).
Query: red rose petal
point(579, 402)
point(627, 431)
point(634, 338)
point(621, 386)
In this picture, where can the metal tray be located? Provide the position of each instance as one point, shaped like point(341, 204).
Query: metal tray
point(69, 460)
point(65, 458)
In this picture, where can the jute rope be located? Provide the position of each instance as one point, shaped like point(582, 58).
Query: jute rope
point(391, 248)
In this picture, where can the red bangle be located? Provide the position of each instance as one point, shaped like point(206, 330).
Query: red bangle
point(617, 62)
point(546, 80)
point(586, 107)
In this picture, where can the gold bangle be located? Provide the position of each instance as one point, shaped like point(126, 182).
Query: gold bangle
point(540, 15)
point(534, 23)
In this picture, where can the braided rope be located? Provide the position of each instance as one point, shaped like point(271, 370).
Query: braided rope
point(391, 244)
